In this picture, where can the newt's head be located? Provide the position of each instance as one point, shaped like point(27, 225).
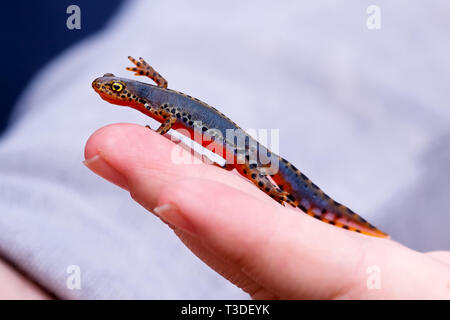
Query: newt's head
point(114, 89)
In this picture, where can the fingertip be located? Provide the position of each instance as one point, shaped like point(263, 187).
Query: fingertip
point(109, 154)
point(107, 136)
point(101, 167)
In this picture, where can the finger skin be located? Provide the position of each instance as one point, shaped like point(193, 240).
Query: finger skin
point(295, 257)
point(271, 250)
point(109, 152)
point(443, 256)
point(278, 248)
point(139, 156)
point(15, 286)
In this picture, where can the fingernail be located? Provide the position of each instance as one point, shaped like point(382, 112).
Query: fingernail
point(170, 214)
point(101, 167)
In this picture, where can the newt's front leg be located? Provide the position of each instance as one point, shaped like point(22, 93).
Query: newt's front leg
point(144, 69)
point(166, 125)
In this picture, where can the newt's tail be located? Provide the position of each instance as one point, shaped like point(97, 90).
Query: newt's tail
point(313, 201)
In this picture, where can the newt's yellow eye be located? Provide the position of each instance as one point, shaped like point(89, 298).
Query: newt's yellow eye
point(117, 86)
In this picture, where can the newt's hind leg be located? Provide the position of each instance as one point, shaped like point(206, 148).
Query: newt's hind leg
point(144, 69)
point(257, 176)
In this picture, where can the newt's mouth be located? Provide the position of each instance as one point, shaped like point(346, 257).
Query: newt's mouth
point(97, 86)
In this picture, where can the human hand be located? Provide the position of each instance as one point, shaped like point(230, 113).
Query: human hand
point(270, 251)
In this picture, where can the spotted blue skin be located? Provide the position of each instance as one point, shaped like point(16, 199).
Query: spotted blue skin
point(198, 110)
point(303, 193)
point(302, 188)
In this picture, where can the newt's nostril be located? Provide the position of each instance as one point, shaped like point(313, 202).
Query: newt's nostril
point(95, 84)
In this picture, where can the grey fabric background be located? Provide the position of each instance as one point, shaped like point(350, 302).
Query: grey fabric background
point(364, 113)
